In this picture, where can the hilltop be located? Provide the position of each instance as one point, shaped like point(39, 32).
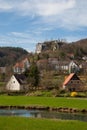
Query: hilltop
point(62, 49)
point(49, 49)
point(78, 48)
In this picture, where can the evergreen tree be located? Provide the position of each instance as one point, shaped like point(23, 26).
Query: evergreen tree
point(33, 75)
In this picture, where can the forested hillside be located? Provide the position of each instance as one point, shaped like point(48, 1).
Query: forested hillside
point(78, 48)
point(9, 55)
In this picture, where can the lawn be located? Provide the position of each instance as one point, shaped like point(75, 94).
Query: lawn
point(44, 101)
point(21, 123)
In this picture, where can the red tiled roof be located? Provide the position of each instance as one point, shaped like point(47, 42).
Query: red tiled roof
point(16, 65)
point(68, 78)
point(20, 65)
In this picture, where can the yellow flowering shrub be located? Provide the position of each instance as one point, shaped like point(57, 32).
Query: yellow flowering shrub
point(73, 94)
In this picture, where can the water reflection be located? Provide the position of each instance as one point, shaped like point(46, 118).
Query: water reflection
point(44, 114)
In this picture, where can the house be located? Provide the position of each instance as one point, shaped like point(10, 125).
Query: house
point(69, 66)
point(73, 83)
point(17, 82)
point(59, 65)
point(73, 67)
point(20, 67)
point(64, 65)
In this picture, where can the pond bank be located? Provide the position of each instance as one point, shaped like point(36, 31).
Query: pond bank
point(46, 108)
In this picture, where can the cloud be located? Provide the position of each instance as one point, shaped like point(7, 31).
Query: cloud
point(36, 7)
point(53, 8)
point(19, 39)
point(4, 6)
point(32, 21)
point(48, 8)
point(68, 14)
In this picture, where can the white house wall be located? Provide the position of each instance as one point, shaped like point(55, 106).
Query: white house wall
point(13, 84)
point(27, 64)
point(73, 65)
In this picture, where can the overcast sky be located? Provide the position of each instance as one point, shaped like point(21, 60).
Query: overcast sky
point(24, 23)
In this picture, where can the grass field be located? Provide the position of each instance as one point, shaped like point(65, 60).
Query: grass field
point(44, 101)
point(21, 123)
point(18, 123)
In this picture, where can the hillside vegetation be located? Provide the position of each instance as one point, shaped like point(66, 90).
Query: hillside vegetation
point(78, 48)
point(64, 50)
point(59, 49)
point(9, 55)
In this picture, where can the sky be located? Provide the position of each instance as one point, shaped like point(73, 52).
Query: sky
point(24, 23)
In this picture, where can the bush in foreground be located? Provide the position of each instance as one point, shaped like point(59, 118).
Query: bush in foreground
point(73, 94)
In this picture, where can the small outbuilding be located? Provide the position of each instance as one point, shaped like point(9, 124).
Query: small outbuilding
point(73, 83)
point(17, 82)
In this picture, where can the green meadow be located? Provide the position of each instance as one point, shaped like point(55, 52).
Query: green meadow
point(21, 123)
point(80, 103)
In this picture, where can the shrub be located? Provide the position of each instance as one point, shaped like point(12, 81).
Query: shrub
point(82, 94)
point(36, 93)
point(67, 94)
point(73, 94)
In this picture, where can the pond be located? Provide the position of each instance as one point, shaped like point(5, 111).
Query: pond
point(44, 114)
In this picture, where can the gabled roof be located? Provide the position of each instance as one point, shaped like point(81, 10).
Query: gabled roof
point(21, 78)
point(21, 64)
point(73, 63)
point(68, 78)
